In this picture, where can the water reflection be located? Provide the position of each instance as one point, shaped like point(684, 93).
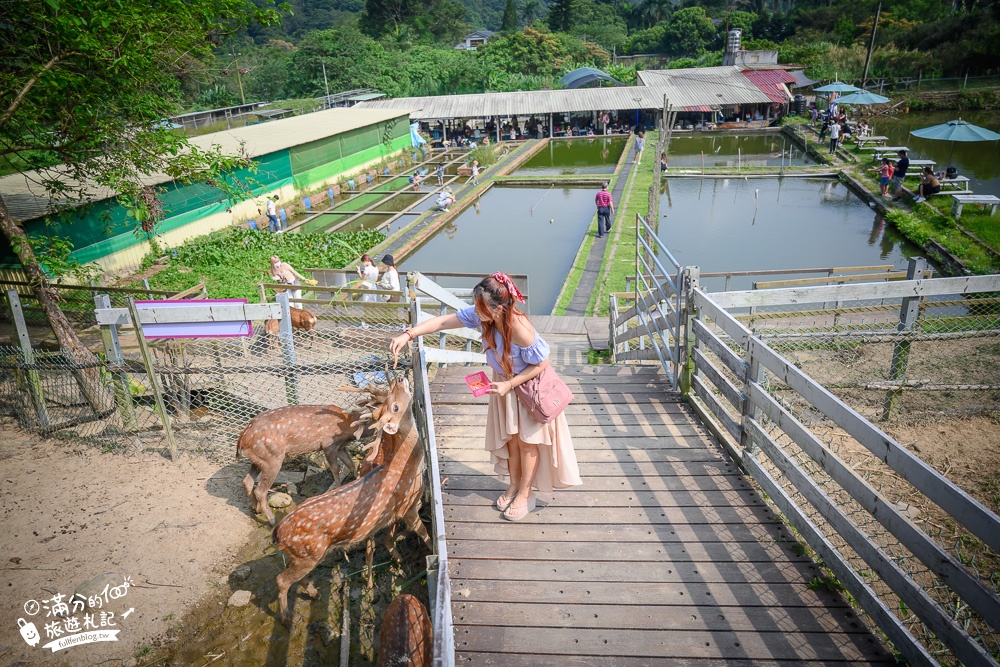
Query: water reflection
point(580, 155)
point(738, 224)
point(734, 150)
point(518, 230)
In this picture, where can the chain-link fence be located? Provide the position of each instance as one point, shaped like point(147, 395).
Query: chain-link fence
point(808, 390)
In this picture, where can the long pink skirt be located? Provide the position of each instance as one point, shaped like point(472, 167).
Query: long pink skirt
point(557, 468)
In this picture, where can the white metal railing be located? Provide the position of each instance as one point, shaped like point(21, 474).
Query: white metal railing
point(655, 315)
point(793, 436)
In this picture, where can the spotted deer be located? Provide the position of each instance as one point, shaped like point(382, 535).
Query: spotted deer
point(301, 318)
point(350, 514)
point(405, 637)
point(292, 431)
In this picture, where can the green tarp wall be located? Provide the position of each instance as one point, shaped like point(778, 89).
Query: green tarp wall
point(104, 228)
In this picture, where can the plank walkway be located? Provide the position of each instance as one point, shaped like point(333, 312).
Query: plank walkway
point(666, 554)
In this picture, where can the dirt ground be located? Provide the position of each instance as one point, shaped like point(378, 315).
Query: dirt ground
point(71, 513)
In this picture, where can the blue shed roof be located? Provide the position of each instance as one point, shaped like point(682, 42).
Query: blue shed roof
point(584, 76)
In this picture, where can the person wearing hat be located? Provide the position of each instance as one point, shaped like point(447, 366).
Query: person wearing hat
point(605, 209)
point(390, 279)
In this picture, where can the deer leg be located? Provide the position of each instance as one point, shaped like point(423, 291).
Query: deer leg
point(369, 560)
point(251, 479)
point(298, 568)
point(390, 543)
point(263, 486)
point(413, 522)
point(331, 453)
point(348, 460)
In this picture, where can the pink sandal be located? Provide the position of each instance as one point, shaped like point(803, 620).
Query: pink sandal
point(517, 513)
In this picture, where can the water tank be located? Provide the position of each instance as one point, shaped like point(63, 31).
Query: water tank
point(733, 41)
point(799, 105)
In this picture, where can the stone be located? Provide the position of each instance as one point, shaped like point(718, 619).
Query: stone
point(239, 599)
point(242, 573)
point(279, 500)
point(292, 489)
point(93, 587)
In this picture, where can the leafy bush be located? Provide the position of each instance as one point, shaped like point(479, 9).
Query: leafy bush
point(233, 261)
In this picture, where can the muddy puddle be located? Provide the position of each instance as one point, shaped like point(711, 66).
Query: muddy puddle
point(220, 632)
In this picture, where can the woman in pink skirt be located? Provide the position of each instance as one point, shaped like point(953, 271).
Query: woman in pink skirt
point(525, 453)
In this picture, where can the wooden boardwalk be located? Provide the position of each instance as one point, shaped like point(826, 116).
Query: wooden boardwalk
point(665, 556)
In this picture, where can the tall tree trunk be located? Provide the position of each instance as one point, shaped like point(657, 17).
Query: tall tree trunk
point(101, 400)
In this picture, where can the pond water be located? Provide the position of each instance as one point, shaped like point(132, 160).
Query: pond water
point(980, 161)
point(535, 231)
point(730, 150)
point(579, 155)
point(737, 224)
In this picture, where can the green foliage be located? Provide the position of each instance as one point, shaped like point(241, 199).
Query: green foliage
point(562, 14)
point(509, 17)
point(689, 32)
point(536, 51)
point(650, 40)
point(486, 155)
point(233, 261)
point(743, 21)
point(352, 59)
point(54, 254)
point(433, 20)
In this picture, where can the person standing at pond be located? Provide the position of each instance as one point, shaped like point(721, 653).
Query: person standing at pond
point(824, 128)
point(640, 143)
point(527, 454)
point(369, 276)
point(390, 279)
point(834, 137)
point(605, 209)
point(902, 165)
point(884, 175)
point(285, 273)
point(475, 172)
point(272, 214)
point(440, 173)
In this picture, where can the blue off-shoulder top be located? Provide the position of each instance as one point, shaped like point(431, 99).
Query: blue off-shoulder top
point(522, 357)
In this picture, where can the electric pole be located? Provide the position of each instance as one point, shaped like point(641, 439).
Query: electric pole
point(871, 44)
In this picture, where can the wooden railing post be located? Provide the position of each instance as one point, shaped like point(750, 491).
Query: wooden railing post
point(909, 311)
point(288, 349)
point(28, 357)
point(154, 382)
point(690, 343)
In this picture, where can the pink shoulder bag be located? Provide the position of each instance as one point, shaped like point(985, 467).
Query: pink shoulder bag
point(545, 395)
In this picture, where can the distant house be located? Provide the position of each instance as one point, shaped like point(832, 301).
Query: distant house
point(475, 40)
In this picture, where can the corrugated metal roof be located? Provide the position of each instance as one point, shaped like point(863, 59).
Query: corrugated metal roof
point(724, 85)
point(772, 83)
point(523, 103)
point(801, 79)
point(26, 199)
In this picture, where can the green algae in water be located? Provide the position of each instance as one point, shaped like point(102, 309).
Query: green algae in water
point(578, 155)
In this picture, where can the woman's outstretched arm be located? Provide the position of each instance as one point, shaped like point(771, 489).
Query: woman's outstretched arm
point(433, 325)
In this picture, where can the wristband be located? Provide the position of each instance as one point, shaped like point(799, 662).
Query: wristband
point(407, 332)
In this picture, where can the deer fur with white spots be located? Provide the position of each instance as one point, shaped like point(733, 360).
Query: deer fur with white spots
point(292, 431)
point(350, 514)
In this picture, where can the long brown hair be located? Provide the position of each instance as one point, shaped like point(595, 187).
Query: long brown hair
point(491, 293)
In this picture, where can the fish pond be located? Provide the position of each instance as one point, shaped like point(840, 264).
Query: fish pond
point(578, 155)
point(712, 149)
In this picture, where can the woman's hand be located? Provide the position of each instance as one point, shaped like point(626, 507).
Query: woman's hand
point(396, 345)
point(502, 388)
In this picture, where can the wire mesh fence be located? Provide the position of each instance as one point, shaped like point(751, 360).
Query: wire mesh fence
point(916, 369)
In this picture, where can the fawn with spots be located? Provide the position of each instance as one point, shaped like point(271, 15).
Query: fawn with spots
point(405, 637)
point(352, 513)
point(291, 431)
point(301, 318)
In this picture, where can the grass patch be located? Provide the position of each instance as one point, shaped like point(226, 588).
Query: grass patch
point(621, 262)
point(598, 356)
point(233, 261)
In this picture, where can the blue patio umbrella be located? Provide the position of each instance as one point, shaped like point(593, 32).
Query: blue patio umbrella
point(862, 97)
point(837, 87)
point(956, 130)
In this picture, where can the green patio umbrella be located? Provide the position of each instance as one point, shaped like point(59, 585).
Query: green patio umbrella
point(837, 87)
point(862, 97)
point(956, 130)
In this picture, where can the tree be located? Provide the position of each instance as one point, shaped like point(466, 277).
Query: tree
point(509, 17)
point(352, 60)
point(86, 86)
point(440, 20)
point(689, 31)
point(562, 15)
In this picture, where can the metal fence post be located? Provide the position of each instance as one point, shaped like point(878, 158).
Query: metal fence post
point(909, 310)
point(120, 383)
point(288, 349)
point(28, 357)
point(154, 383)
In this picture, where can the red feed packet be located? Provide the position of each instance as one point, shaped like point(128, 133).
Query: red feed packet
point(478, 383)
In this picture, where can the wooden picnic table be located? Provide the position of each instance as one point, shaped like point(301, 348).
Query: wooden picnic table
point(960, 200)
point(883, 149)
point(876, 139)
point(957, 183)
point(920, 163)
